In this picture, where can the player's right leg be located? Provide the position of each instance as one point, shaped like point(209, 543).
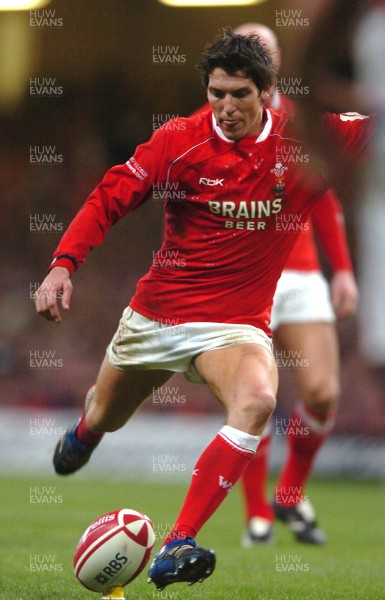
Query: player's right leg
point(108, 406)
point(318, 382)
point(258, 510)
point(302, 322)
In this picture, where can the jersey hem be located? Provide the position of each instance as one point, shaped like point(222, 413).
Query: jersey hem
point(178, 321)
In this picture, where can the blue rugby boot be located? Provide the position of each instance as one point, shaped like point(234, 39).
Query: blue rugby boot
point(181, 561)
point(70, 454)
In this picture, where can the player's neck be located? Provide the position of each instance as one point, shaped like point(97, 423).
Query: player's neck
point(274, 102)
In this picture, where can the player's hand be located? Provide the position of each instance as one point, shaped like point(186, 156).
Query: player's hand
point(56, 285)
point(344, 294)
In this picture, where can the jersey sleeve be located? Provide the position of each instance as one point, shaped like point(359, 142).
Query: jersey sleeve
point(329, 226)
point(123, 189)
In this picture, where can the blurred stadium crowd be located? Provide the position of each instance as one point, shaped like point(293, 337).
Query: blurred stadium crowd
point(92, 126)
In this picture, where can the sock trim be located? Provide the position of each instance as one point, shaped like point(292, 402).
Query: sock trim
point(239, 440)
point(312, 422)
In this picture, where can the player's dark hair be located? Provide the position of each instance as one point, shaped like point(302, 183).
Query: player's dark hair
point(233, 52)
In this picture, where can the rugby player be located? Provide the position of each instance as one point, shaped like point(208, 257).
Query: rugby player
point(225, 230)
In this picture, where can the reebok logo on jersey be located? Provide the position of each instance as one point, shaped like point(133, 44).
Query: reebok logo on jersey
point(227, 485)
point(207, 181)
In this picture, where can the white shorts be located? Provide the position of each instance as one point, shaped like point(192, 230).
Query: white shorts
point(143, 344)
point(301, 297)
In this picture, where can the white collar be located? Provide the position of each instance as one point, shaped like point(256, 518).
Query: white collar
point(262, 136)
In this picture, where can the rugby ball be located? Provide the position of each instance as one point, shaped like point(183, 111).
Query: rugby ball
point(114, 549)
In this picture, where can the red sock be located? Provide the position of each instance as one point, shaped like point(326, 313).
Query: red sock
point(306, 434)
point(254, 480)
point(85, 436)
point(216, 472)
point(82, 432)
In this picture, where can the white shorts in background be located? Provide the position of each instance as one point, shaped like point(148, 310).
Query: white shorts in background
point(143, 344)
point(301, 297)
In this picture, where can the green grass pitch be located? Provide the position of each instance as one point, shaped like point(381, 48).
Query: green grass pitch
point(42, 520)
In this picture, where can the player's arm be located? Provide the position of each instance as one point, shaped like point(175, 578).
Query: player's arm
point(329, 226)
point(123, 189)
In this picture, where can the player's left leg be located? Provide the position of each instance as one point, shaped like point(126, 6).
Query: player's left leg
point(317, 377)
point(244, 379)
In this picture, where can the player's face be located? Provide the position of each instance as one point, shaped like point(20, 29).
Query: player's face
point(236, 102)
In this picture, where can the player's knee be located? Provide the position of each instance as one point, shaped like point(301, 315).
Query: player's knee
point(323, 396)
point(267, 403)
point(257, 408)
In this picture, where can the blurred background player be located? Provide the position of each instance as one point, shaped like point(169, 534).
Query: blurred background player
point(303, 325)
point(350, 70)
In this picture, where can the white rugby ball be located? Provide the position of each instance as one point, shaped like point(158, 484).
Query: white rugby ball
point(114, 549)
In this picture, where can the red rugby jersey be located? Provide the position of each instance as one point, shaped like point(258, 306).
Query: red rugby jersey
point(233, 212)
